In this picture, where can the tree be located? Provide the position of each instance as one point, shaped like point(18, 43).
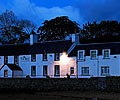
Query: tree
point(105, 31)
point(57, 28)
point(13, 30)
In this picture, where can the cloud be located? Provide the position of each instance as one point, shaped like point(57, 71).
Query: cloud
point(98, 10)
point(29, 10)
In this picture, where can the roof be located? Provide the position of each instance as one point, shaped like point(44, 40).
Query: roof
point(36, 48)
point(113, 46)
point(13, 67)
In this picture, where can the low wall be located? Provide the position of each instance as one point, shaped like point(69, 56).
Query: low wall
point(63, 84)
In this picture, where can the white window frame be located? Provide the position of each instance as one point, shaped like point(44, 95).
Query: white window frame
point(83, 54)
point(56, 70)
point(85, 71)
point(105, 70)
point(96, 55)
point(103, 53)
point(72, 71)
point(45, 70)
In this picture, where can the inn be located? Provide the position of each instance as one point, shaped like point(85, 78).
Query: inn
point(56, 59)
point(37, 60)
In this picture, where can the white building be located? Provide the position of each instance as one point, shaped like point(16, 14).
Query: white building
point(97, 59)
point(38, 59)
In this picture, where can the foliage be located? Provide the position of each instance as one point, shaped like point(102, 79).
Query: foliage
point(13, 30)
point(105, 31)
point(57, 28)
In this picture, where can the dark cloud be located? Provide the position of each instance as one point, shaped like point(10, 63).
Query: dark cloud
point(97, 10)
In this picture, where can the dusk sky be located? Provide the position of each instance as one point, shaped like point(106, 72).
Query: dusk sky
point(80, 11)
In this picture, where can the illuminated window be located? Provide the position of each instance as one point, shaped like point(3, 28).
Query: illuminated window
point(33, 70)
point(5, 73)
point(56, 56)
point(45, 70)
point(81, 54)
point(57, 70)
point(33, 57)
point(93, 54)
point(85, 70)
point(71, 70)
point(106, 53)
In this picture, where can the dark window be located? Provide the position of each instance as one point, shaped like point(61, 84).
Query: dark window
point(57, 70)
point(44, 56)
point(33, 57)
point(5, 59)
point(71, 70)
point(33, 70)
point(16, 59)
point(45, 70)
point(57, 57)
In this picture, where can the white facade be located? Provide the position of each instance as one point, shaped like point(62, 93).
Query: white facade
point(98, 67)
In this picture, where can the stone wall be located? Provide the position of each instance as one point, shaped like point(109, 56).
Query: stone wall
point(63, 84)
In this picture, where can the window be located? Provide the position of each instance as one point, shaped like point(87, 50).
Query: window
point(93, 54)
point(57, 57)
point(33, 57)
point(81, 54)
point(5, 73)
point(33, 70)
point(106, 53)
point(57, 70)
point(85, 70)
point(45, 70)
point(71, 70)
point(44, 56)
point(105, 70)
point(5, 59)
point(16, 59)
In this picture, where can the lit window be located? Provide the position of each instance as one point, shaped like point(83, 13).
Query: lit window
point(57, 70)
point(106, 53)
point(56, 56)
point(33, 57)
point(71, 70)
point(93, 54)
point(5, 73)
point(105, 70)
point(81, 54)
point(85, 70)
point(33, 70)
point(45, 70)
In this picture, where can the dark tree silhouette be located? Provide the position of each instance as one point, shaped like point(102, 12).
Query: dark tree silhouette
point(57, 28)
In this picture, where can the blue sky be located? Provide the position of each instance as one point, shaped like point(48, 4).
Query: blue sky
point(80, 11)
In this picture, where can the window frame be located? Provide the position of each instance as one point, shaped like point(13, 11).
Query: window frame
point(5, 59)
point(57, 70)
point(16, 60)
point(45, 70)
point(85, 71)
point(33, 57)
point(32, 71)
point(56, 56)
point(83, 55)
point(104, 55)
point(72, 71)
point(105, 70)
point(91, 55)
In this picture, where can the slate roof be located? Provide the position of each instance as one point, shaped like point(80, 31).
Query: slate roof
point(13, 67)
point(36, 48)
point(113, 46)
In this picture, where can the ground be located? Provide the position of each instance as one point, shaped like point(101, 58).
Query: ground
point(60, 95)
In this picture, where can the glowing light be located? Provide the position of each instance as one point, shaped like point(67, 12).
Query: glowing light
point(64, 58)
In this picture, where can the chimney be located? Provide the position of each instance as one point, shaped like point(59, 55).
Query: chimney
point(33, 38)
point(75, 38)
